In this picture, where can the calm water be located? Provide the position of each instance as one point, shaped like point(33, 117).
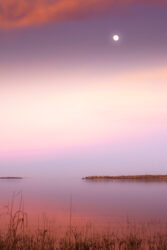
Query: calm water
point(99, 202)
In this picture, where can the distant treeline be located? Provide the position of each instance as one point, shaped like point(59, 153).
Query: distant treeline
point(10, 178)
point(128, 177)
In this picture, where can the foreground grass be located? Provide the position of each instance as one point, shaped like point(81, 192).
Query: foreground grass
point(80, 239)
point(17, 236)
point(128, 178)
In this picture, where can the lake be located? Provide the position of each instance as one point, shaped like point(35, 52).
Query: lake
point(73, 200)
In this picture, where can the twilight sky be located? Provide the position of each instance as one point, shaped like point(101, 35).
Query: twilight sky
point(74, 101)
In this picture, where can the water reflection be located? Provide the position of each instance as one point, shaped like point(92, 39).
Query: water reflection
point(123, 181)
point(103, 202)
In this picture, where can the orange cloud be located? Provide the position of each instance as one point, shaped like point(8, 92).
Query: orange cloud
point(20, 13)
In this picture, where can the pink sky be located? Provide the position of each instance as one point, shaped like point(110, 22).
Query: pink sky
point(97, 110)
point(71, 96)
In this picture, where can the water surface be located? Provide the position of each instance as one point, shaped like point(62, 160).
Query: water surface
point(65, 199)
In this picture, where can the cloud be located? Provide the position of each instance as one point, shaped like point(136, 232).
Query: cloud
point(21, 13)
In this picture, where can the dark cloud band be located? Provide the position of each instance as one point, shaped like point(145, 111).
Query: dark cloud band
point(21, 13)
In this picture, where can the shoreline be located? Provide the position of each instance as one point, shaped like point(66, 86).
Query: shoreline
point(127, 178)
point(11, 178)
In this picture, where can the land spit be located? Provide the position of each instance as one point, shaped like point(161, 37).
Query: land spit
point(11, 178)
point(127, 178)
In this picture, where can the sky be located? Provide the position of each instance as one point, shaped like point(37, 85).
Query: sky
point(74, 101)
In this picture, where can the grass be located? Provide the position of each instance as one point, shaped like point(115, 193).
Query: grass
point(78, 239)
point(17, 236)
point(128, 178)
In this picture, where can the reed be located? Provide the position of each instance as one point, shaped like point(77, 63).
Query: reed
point(81, 239)
point(19, 237)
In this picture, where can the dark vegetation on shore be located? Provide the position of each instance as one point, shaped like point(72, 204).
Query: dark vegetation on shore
point(128, 178)
point(11, 178)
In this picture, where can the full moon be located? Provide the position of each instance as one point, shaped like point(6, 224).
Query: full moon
point(116, 38)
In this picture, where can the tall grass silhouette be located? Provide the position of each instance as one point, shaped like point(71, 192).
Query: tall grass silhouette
point(18, 236)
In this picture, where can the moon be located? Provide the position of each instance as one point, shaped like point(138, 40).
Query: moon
point(116, 38)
